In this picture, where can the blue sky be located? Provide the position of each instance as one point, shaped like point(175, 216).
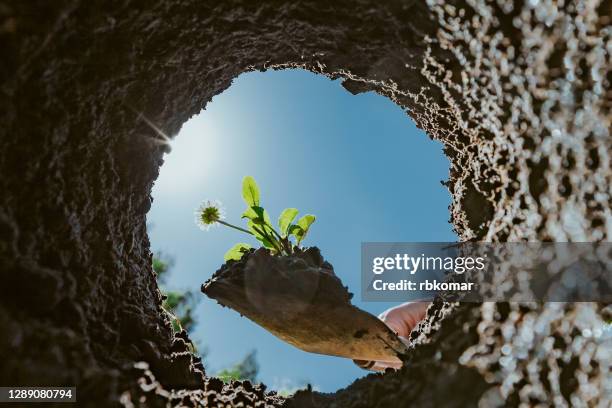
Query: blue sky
point(355, 161)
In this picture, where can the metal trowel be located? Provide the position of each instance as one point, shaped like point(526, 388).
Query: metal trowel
point(302, 302)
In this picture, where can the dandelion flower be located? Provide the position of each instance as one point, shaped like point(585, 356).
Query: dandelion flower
point(208, 214)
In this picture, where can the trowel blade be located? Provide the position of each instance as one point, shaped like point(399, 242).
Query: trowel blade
point(339, 330)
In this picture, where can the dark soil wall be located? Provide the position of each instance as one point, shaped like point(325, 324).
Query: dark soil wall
point(79, 304)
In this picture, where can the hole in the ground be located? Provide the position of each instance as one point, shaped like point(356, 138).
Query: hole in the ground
point(357, 162)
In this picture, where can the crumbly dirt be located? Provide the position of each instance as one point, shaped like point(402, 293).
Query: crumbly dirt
point(278, 271)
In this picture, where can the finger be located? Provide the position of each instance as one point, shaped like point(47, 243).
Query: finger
point(403, 318)
point(377, 365)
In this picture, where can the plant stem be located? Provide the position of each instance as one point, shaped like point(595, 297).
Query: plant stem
point(274, 231)
point(270, 238)
point(283, 242)
point(277, 244)
point(234, 227)
point(287, 245)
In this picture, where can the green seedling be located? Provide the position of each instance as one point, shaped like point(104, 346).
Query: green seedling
point(281, 241)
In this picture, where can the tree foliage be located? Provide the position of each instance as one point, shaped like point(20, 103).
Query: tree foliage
point(178, 304)
point(246, 369)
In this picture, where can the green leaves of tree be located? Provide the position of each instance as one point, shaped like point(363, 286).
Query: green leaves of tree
point(237, 251)
point(250, 192)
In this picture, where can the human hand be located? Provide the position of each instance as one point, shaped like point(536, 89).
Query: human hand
point(401, 319)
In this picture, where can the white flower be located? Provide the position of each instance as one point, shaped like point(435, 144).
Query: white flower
point(208, 213)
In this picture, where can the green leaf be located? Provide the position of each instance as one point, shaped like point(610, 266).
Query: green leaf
point(250, 213)
point(237, 251)
point(296, 231)
point(267, 219)
point(251, 227)
point(293, 229)
point(258, 215)
point(304, 223)
point(250, 191)
point(285, 219)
